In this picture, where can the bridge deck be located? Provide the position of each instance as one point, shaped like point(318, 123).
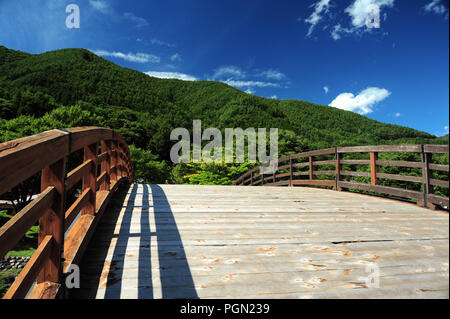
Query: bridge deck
point(167, 241)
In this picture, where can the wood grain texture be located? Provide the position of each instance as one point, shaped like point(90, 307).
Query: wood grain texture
point(179, 241)
point(27, 276)
point(13, 231)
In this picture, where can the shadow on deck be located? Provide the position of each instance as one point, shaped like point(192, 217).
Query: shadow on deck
point(175, 276)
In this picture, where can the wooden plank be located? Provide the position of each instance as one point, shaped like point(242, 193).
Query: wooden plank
point(45, 290)
point(327, 151)
point(428, 148)
point(381, 148)
point(438, 182)
point(14, 229)
point(83, 136)
point(314, 182)
point(103, 156)
point(76, 208)
point(255, 242)
point(279, 183)
point(29, 156)
point(400, 163)
point(438, 167)
point(75, 175)
point(27, 276)
point(82, 231)
point(401, 177)
point(76, 240)
point(436, 199)
point(384, 190)
point(52, 221)
point(311, 168)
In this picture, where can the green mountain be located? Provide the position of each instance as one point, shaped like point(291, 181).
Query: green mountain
point(75, 87)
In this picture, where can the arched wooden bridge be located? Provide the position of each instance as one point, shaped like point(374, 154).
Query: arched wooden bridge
point(181, 241)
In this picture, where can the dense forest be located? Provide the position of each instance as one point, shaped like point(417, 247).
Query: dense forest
point(74, 87)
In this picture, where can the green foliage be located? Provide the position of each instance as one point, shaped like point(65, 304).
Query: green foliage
point(74, 87)
point(146, 166)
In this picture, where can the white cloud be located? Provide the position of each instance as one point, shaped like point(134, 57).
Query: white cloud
point(132, 57)
point(241, 84)
point(363, 103)
point(175, 57)
point(397, 114)
point(273, 74)
point(319, 7)
point(228, 71)
point(138, 21)
point(436, 6)
point(274, 97)
point(101, 6)
point(446, 129)
point(250, 91)
point(325, 88)
point(359, 11)
point(171, 75)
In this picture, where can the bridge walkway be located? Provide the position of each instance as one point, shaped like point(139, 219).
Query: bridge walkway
point(179, 241)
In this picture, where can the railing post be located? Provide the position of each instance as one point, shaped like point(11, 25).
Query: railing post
point(262, 176)
point(338, 169)
point(426, 159)
point(90, 179)
point(114, 161)
point(52, 222)
point(373, 168)
point(251, 178)
point(291, 172)
point(311, 168)
point(106, 166)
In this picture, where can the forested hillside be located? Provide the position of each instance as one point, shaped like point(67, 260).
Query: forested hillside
point(74, 87)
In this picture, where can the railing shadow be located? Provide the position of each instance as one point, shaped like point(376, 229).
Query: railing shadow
point(174, 273)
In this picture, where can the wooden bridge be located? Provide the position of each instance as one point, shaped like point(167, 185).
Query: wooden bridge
point(182, 241)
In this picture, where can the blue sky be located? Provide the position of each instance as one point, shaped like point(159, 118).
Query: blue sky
point(320, 51)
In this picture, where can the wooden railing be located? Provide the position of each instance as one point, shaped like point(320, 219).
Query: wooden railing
point(290, 172)
point(58, 246)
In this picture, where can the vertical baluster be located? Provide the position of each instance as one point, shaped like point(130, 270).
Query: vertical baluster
point(426, 159)
point(373, 168)
point(338, 169)
point(106, 166)
point(311, 168)
point(291, 172)
point(90, 179)
point(114, 161)
point(52, 222)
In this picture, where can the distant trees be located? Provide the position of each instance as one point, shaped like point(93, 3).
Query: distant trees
point(73, 87)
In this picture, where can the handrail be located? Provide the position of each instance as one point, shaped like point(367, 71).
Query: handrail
point(286, 173)
point(47, 153)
